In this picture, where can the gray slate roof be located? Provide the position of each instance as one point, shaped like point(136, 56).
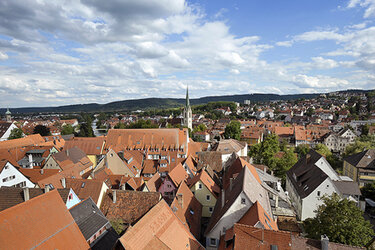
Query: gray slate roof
point(308, 176)
point(364, 159)
point(88, 217)
point(347, 187)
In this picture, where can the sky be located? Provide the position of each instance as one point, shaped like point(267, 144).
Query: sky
point(65, 52)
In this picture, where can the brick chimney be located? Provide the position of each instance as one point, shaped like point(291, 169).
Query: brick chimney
point(26, 194)
point(46, 189)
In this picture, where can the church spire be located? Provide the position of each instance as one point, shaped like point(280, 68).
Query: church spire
point(187, 97)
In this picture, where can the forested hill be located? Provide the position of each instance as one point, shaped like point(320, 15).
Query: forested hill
point(155, 103)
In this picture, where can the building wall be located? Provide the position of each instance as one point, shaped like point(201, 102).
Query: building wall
point(201, 195)
point(350, 171)
point(115, 164)
point(102, 193)
point(323, 164)
point(51, 164)
point(74, 200)
point(233, 215)
point(10, 177)
point(311, 202)
point(92, 158)
point(295, 199)
point(7, 133)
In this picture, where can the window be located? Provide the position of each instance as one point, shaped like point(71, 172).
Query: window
point(318, 193)
point(208, 197)
point(210, 209)
point(199, 186)
point(6, 167)
point(212, 242)
point(243, 201)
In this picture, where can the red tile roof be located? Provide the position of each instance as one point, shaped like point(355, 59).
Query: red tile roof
point(42, 222)
point(159, 228)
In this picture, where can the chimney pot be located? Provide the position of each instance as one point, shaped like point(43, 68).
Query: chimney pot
point(222, 198)
point(324, 241)
point(26, 194)
point(63, 182)
point(46, 189)
point(230, 183)
point(42, 171)
point(114, 196)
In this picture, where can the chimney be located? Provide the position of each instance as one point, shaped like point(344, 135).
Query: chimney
point(222, 198)
point(276, 201)
point(114, 196)
point(230, 184)
point(180, 200)
point(42, 171)
point(324, 241)
point(46, 189)
point(123, 187)
point(308, 156)
point(63, 182)
point(26, 194)
point(31, 160)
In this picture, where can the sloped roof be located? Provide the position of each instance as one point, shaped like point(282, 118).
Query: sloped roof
point(129, 206)
point(188, 209)
point(85, 188)
point(88, 217)
point(22, 142)
point(227, 146)
point(178, 174)
point(211, 158)
point(244, 182)
point(347, 187)
point(154, 183)
point(364, 159)
point(207, 181)
point(4, 126)
point(247, 237)
point(159, 229)
point(89, 145)
point(43, 223)
point(257, 214)
point(11, 196)
point(36, 175)
point(308, 176)
point(141, 138)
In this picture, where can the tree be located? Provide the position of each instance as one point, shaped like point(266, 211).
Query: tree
point(368, 191)
point(42, 130)
point(285, 163)
point(264, 152)
point(233, 130)
point(85, 130)
point(302, 150)
point(362, 143)
point(15, 134)
point(323, 150)
point(341, 220)
point(67, 130)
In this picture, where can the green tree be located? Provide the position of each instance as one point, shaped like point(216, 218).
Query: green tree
point(341, 220)
point(42, 130)
point(85, 130)
point(118, 225)
point(15, 134)
point(302, 150)
point(368, 191)
point(285, 163)
point(264, 152)
point(233, 130)
point(67, 130)
point(323, 150)
point(362, 143)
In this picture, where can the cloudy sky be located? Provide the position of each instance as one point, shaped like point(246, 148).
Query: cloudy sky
point(71, 51)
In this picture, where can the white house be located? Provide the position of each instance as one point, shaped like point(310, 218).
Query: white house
point(337, 142)
point(311, 178)
point(11, 177)
point(5, 130)
point(234, 202)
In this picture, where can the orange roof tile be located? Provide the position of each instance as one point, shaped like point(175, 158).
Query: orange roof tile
point(178, 174)
point(22, 142)
point(207, 181)
point(257, 214)
point(158, 225)
point(42, 223)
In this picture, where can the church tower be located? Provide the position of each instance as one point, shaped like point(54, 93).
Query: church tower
point(187, 113)
point(8, 115)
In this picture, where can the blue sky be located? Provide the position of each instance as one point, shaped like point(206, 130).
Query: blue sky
point(66, 52)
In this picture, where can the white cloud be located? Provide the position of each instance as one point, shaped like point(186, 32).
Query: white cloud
point(3, 56)
point(304, 81)
point(369, 6)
